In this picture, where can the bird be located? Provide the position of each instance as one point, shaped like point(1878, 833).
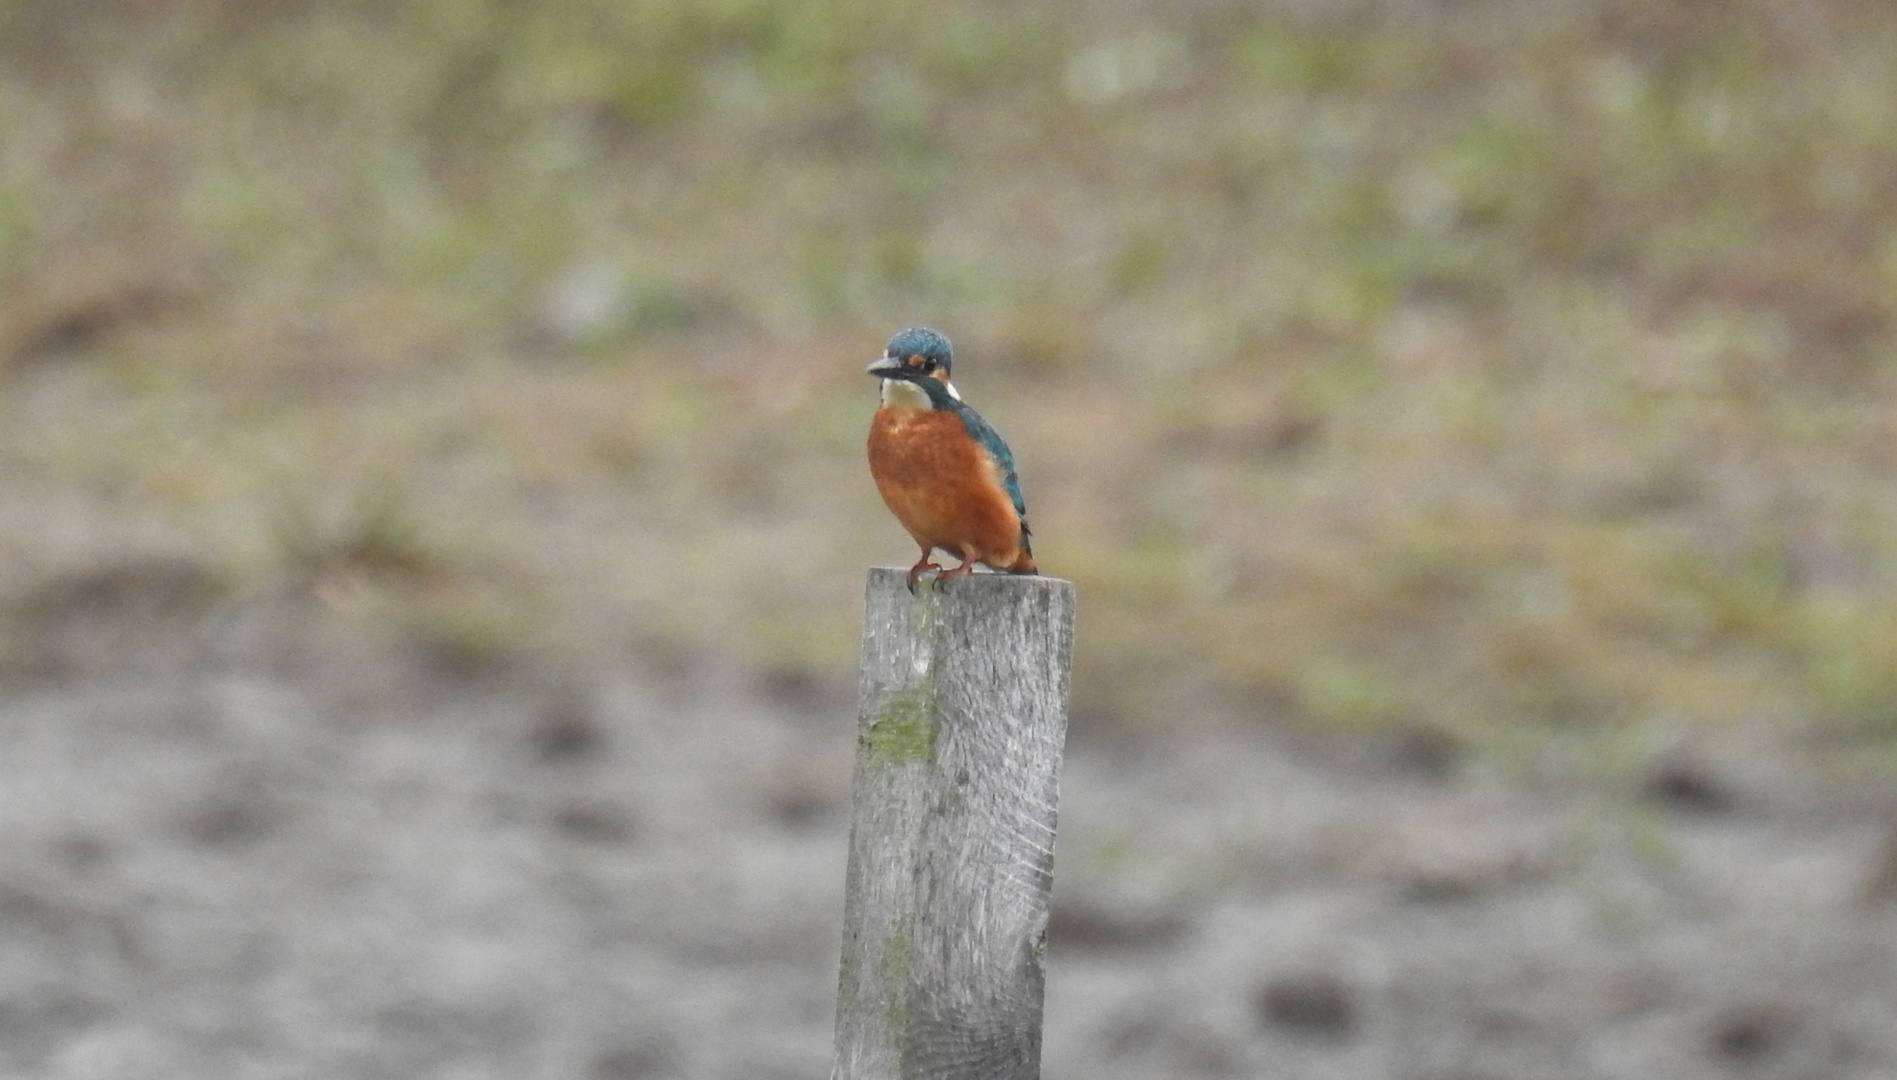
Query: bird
point(944, 471)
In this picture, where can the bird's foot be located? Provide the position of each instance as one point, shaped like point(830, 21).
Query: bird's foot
point(967, 567)
point(918, 570)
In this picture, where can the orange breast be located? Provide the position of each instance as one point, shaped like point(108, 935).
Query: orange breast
point(940, 485)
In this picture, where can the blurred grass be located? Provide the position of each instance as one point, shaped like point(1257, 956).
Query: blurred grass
point(1461, 368)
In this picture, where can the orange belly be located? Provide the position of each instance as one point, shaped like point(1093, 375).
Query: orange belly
point(943, 488)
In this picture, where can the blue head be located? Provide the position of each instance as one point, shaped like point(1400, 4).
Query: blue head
point(915, 353)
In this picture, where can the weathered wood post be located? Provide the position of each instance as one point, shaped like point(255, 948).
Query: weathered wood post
point(962, 718)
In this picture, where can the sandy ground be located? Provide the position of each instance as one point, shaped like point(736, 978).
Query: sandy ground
point(234, 848)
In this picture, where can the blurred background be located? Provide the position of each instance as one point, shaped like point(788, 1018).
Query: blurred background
point(431, 490)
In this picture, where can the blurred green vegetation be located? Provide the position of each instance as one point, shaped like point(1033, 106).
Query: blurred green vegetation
point(1371, 365)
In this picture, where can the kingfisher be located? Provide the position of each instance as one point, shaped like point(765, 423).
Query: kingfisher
point(943, 470)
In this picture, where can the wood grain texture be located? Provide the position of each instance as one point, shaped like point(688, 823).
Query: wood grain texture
point(963, 716)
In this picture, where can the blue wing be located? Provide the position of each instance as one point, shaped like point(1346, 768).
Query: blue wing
point(990, 440)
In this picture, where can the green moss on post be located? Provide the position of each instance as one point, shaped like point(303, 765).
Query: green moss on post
point(895, 972)
point(904, 731)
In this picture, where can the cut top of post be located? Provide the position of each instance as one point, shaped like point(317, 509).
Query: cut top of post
point(985, 645)
point(981, 619)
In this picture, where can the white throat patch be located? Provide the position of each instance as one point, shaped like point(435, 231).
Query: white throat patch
point(903, 394)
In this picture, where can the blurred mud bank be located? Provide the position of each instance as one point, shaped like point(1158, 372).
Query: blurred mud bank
point(260, 858)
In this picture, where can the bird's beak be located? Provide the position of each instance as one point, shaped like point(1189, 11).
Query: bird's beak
point(885, 366)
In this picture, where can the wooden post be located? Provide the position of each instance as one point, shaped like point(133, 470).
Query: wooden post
point(963, 715)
